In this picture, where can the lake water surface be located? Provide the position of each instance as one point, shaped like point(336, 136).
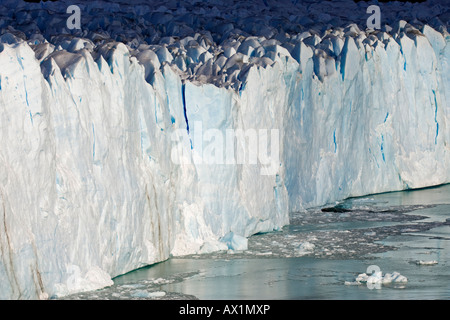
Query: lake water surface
point(318, 256)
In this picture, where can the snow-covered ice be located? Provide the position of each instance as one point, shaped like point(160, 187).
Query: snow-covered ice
point(89, 189)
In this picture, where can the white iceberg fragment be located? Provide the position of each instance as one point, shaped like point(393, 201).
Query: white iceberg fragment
point(426, 262)
point(377, 278)
point(213, 246)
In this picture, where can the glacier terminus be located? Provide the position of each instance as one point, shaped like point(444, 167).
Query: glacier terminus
point(115, 136)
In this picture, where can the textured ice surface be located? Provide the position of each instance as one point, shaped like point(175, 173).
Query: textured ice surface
point(89, 189)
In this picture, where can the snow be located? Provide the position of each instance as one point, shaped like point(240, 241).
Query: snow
point(91, 119)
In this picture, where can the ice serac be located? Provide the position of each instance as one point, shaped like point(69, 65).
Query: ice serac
point(118, 154)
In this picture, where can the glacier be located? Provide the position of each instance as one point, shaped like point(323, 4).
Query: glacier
point(91, 120)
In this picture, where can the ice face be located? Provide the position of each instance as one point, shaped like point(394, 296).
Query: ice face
point(93, 122)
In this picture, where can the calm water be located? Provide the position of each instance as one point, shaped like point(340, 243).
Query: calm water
point(316, 255)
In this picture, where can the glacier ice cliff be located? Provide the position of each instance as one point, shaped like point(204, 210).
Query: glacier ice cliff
point(89, 188)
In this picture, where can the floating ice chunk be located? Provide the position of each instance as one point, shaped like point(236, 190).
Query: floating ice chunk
point(212, 246)
point(362, 278)
point(378, 278)
point(267, 253)
point(304, 249)
point(157, 294)
point(426, 263)
point(351, 283)
point(235, 242)
point(395, 277)
point(132, 286)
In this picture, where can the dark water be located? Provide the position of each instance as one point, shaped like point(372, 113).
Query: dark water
point(318, 256)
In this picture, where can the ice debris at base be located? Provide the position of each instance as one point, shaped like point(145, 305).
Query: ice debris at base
point(322, 235)
point(93, 120)
point(378, 278)
point(235, 242)
point(148, 289)
point(95, 278)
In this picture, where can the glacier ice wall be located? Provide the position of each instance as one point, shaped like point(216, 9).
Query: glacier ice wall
point(89, 187)
point(87, 177)
point(377, 123)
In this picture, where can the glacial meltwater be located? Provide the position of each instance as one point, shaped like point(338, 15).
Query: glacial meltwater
point(318, 256)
